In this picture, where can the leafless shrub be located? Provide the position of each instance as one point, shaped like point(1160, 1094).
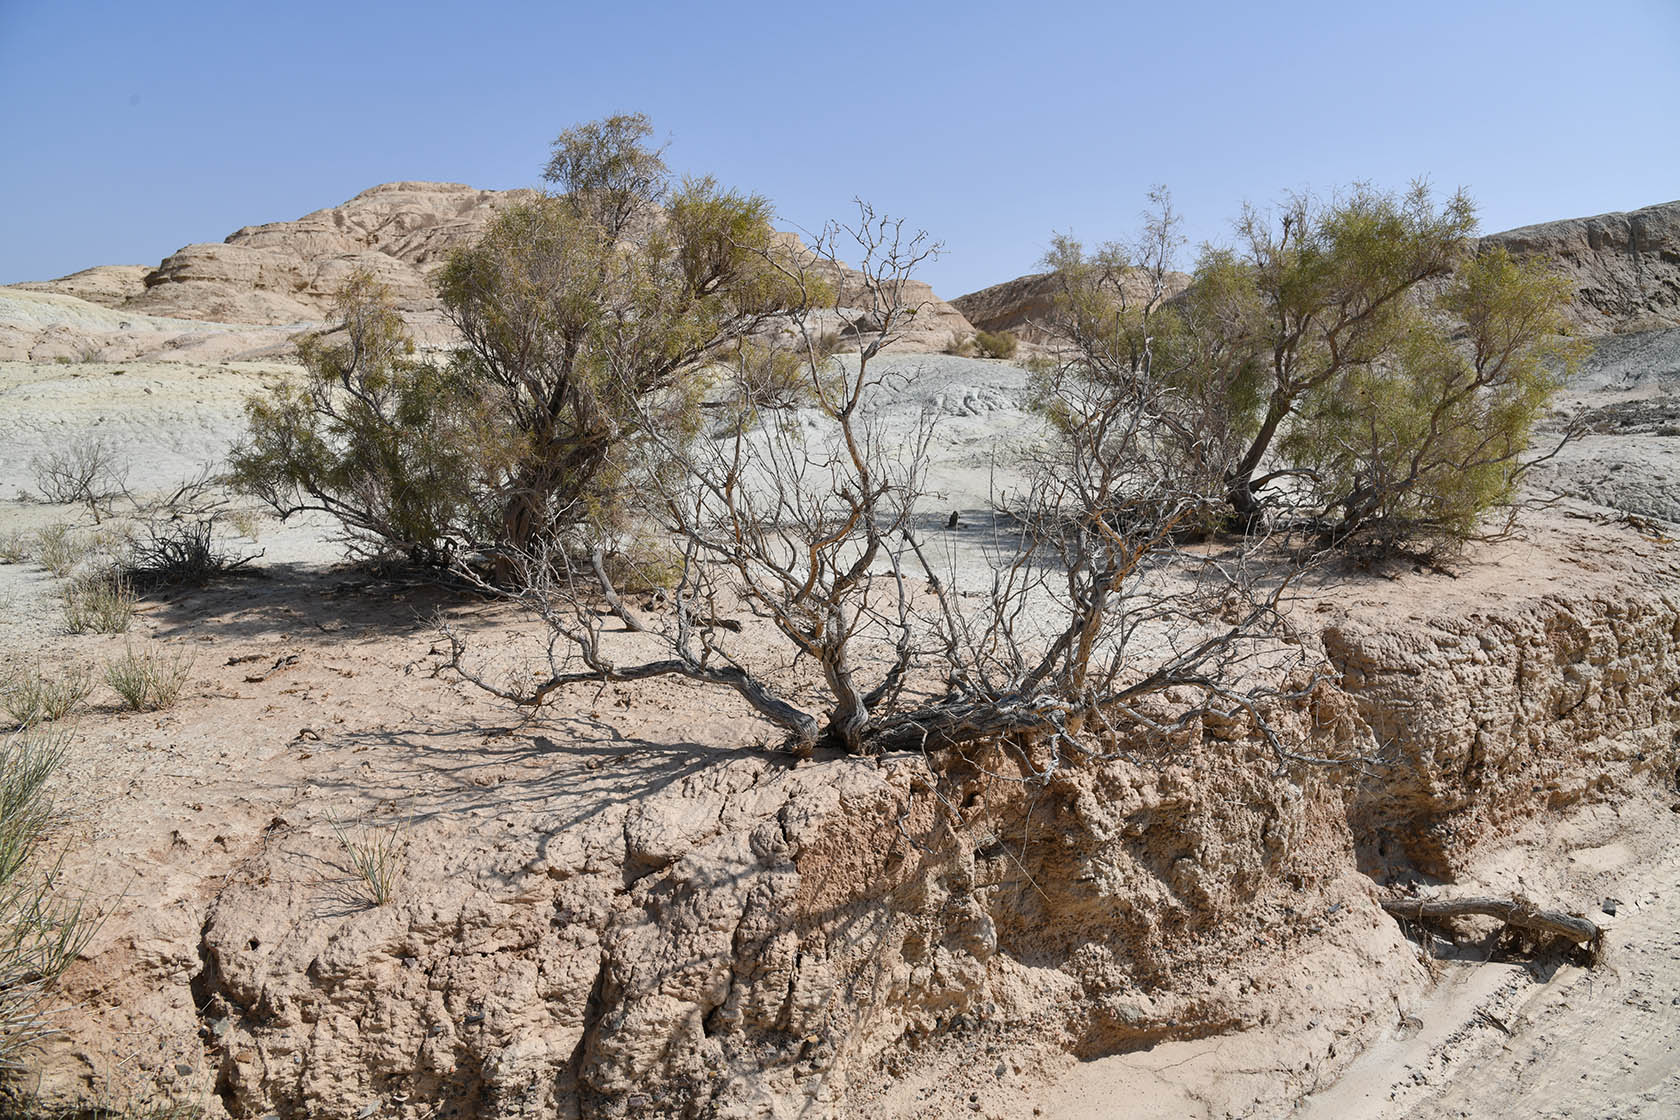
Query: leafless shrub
point(86, 472)
point(182, 551)
point(1102, 607)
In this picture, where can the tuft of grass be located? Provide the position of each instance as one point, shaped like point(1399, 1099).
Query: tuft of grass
point(375, 856)
point(149, 680)
point(248, 523)
point(43, 930)
point(16, 546)
point(33, 697)
point(59, 548)
point(99, 602)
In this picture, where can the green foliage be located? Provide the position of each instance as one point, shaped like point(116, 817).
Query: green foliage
point(590, 316)
point(586, 317)
point(996, 344)
point(1413, 451)
point(41, 931)
point(148, 680)
point(395, 448)
point(1348, 364)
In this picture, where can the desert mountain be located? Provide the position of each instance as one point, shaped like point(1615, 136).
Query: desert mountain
point(1624, 267)
point(286, 273)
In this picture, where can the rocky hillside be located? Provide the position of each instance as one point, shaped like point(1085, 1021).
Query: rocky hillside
point(1625, 269)
point(286, 273)
point(1021, 306)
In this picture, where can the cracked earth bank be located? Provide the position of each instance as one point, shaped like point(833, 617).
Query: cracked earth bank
point(626, 910)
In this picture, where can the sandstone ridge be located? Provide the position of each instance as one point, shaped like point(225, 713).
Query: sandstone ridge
point(287, 273)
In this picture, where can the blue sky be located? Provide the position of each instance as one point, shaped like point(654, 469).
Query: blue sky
point(130, 129)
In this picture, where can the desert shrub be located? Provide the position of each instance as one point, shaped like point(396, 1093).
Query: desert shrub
point(1349, 366)
point(100, 601)
point(996, 344)
point(388, 445)
point(41, 931)
point(148, 680)
point(180, 552)
point(33, 697)
point(375, 857)
point(584, 316)
point(961, 345)
point(644, 562)
point(88, 471)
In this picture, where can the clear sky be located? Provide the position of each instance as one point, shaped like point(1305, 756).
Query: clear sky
point(132, 128)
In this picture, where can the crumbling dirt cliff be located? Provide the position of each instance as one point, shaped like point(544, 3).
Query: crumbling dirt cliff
point(625, 912)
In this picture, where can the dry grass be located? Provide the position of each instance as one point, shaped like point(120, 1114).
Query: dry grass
point(99, 602)
point(33, 697)
point(16, 546)
point(59, 548)
point(149, 680)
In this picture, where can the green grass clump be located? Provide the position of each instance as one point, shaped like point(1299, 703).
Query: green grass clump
point(59, 548)
point(148, 680)
point(41, 932)
point(376, 858)
point(996, 344)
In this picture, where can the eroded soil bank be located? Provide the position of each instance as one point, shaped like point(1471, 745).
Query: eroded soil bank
point(627, 909)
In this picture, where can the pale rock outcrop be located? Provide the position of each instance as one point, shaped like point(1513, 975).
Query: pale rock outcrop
point(287, 273)
point(109, 285)
point(38, 326)
point(1023, 306)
